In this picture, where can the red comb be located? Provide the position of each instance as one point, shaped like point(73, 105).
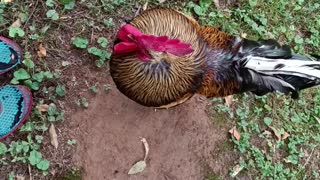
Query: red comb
point(164, 44)
point(127, 30)
point(141, 43)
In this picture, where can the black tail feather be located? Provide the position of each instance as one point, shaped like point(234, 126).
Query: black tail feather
point(316, 56)
point(261, 84)
point(265, 48)
point(300, 83)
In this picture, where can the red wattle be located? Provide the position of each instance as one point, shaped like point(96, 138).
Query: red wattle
point(125, 47)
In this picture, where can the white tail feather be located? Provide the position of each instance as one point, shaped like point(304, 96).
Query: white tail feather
point(301, 68)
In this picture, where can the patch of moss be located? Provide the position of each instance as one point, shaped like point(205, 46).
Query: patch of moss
point(73, 174)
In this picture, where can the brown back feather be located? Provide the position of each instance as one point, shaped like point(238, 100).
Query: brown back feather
point(216, 38)
point(220, 41)
point(166, 78)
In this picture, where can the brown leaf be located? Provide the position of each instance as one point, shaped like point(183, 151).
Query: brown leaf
point(145, 6)
point(17, 23)
point(267, 133)
point(43, 107)
point(162, 1)
point(228, 100)
point(53, 136)
point(235, 133)
point(276, 133)
point(42, 52)
point(285, 136)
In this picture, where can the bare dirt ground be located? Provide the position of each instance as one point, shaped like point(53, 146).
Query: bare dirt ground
point(182, 140)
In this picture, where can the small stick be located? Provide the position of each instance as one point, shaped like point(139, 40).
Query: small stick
point(30, 174)
point(308, 159)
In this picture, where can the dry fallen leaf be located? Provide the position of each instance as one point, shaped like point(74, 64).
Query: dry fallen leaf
point(228, 100)
point(235, 133)
point(65, 63)
point(285, 136)
point(137, 167)
point(7, 1)
point(53, 136)
point(267, 133)
point(236, 170)
point(140, 165)
point(162, 1)
point(43, 107)
point(276, 133)
point(145, 6)
point(17, 23)
point(42, 52)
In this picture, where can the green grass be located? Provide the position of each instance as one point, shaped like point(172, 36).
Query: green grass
point(261, 154)
point(295, 22)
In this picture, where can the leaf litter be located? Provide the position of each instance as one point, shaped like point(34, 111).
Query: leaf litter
point(139, 166)
point(234, 132)
point(42, 52)
point(53, 136)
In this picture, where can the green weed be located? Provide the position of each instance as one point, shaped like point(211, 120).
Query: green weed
point(103, 55)
point(24, 151)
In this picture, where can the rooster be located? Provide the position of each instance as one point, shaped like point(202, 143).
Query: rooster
point(162, 58)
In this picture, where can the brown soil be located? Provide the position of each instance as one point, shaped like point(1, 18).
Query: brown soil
point(182, 140)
